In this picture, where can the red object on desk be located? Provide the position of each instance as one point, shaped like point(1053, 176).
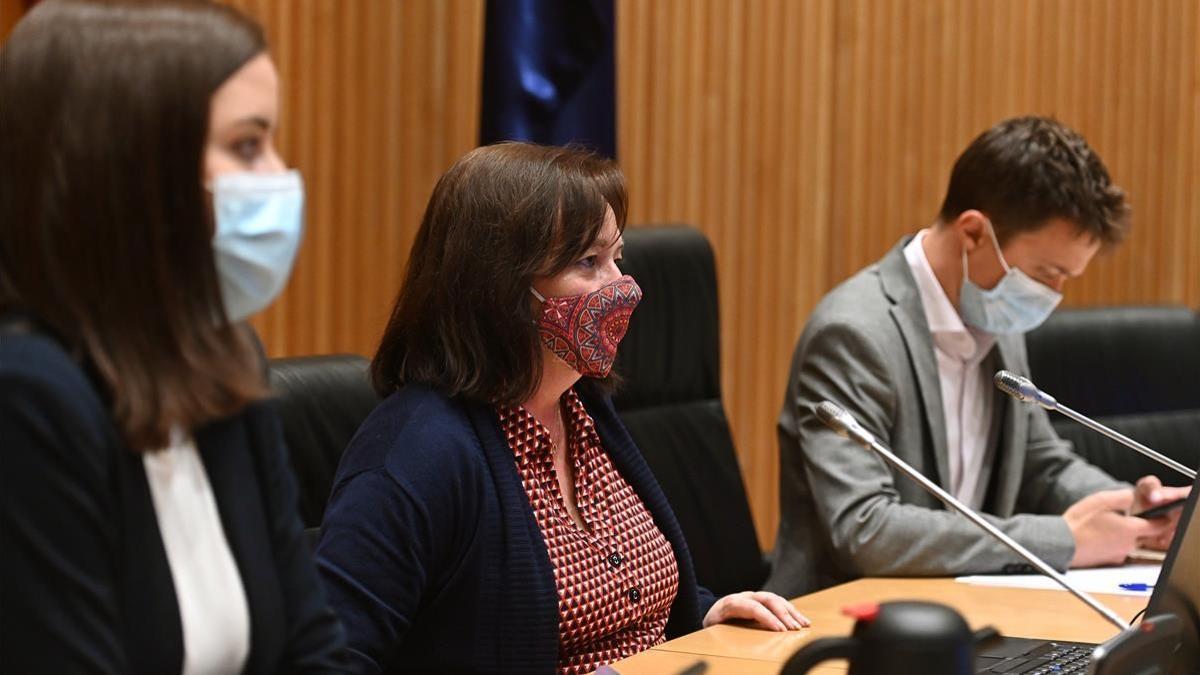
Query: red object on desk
point(866, 611)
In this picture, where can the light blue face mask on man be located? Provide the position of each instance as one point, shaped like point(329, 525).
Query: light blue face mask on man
point(259, 223)
point(1017, 304)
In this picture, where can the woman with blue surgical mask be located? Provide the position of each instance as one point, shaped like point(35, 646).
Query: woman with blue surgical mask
point(149, 517)
point(257, 203)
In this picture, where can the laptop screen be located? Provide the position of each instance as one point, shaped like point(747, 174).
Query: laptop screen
point(1178, 589)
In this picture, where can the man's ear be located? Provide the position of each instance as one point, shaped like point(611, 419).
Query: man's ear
point(971, 229)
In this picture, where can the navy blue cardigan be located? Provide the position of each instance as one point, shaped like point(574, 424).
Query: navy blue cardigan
point(430, 551)
point(85, 585)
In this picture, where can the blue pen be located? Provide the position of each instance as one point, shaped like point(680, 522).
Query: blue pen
point(1136, 587)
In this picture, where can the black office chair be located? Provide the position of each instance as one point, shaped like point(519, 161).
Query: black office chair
point(321, 400)
point(671, 403)
point(1136, 369)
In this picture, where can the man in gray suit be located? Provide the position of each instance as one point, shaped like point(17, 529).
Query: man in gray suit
point(908, 347)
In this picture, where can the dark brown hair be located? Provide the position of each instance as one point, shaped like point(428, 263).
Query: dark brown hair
point(105, 227)
point(463, 322)
point(1026, 170)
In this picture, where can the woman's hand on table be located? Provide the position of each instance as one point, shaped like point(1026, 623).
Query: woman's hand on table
point(767, 610)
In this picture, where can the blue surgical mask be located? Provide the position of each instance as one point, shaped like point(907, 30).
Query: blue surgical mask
point(259, 222)
point(1016, 305)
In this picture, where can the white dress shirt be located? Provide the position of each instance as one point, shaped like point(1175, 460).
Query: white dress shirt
point(212, 603)
point(967, 395)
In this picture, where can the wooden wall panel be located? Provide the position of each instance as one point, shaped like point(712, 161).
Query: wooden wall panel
point(379, 99)
point(724, 110)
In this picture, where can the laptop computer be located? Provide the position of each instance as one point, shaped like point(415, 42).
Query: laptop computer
point(1177, 592)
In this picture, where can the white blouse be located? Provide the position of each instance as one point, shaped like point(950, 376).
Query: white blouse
point(212, 603)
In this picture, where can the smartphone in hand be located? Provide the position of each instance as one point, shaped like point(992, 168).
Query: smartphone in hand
point(1162, 509)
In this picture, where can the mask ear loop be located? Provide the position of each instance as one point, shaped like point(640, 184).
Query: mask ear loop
point(536, 294)
point(999, 253)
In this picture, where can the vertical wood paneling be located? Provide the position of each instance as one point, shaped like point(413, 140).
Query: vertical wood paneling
point(804, 137)
point(379, 99)
point(723, 115)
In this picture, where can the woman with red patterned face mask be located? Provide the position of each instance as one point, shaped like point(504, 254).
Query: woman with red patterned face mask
point(492, 514)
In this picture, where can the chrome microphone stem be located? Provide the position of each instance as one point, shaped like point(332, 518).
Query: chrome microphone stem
point(1008, 541)
point(1126, 441)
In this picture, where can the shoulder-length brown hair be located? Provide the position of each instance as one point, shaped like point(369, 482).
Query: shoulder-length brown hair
point(105, 226)
point(503, 214)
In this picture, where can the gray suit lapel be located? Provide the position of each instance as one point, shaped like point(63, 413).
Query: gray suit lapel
point(909, 314)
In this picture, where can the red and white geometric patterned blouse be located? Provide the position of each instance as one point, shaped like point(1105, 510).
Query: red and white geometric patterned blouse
point(617, 580)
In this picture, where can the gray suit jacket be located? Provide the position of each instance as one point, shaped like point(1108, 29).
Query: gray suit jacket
point(844, 512)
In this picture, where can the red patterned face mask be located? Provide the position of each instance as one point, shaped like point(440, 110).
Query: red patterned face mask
point(584, 330)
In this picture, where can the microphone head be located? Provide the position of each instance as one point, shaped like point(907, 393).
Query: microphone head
point(843, 423)
point(1023, 389)
point(1013, 385)
point(832, 416)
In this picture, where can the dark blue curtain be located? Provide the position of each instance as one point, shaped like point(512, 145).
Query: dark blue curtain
point(549, 74)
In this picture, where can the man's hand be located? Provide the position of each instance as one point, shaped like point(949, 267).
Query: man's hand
point(1104, 532)
point(1150, 493)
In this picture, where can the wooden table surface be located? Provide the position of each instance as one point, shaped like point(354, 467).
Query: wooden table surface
point(730, 649)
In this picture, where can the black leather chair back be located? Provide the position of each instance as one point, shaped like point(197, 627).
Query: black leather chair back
point(1136, 369)
point(670, 400)
point(322, 400)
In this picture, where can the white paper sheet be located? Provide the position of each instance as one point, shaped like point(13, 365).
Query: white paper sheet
point(1099, 580)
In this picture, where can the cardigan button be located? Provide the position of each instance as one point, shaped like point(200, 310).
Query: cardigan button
point(635, 594)
point(615, 560)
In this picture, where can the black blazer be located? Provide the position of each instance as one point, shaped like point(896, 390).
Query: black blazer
point(84, 581)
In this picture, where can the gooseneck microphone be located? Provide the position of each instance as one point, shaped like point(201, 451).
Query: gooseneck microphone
point(844, 424)
point(1022, 389)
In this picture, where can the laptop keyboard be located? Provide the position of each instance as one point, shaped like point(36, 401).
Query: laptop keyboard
point(1050, 658)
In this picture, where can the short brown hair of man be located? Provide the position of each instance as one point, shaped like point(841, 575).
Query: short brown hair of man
point(105, 225)
point(1026, 170)
point(503, 214)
